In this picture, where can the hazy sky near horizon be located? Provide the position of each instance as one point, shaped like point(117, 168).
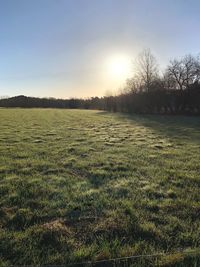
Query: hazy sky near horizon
point(73, 48)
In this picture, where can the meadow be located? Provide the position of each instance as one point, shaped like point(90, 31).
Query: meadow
point(80, 185)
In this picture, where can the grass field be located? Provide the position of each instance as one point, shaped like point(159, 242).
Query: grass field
point(88, 185)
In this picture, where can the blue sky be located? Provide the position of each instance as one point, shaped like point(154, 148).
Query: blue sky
point(61, 48)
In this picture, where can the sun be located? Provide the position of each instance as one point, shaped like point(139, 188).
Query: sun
point(119, 67)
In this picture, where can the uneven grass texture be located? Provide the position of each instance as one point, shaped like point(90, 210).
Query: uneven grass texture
point(88, 185)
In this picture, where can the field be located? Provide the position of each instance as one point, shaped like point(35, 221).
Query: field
point(88, 185)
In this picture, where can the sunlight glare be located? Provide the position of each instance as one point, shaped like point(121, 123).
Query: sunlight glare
point(119, 67)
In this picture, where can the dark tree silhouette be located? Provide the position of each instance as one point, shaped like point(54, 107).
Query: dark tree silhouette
point(184, 72)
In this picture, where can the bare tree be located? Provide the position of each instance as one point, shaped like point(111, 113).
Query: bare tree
point(184, 72)
point(192, 69)
point(146, 69)
point(133, 85)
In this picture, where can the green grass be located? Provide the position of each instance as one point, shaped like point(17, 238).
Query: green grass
point(87, 185)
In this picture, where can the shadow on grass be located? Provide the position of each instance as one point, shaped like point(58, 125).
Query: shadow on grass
point(184, 127)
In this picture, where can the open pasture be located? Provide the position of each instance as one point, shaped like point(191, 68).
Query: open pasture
point(78, 185)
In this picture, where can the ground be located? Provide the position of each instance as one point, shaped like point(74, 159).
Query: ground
point(79, 185)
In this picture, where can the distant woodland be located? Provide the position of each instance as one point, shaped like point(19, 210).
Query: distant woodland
point(176, 91)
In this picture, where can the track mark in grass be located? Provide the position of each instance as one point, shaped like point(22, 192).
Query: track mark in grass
point(158, 146)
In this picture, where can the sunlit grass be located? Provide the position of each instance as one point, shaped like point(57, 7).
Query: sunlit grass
point(88, 185)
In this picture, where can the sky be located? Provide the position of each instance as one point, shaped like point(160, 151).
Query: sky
point(84, 48)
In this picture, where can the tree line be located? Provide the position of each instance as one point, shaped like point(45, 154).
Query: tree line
point(175, 91)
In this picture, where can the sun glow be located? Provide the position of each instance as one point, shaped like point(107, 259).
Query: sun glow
point(119, 67)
